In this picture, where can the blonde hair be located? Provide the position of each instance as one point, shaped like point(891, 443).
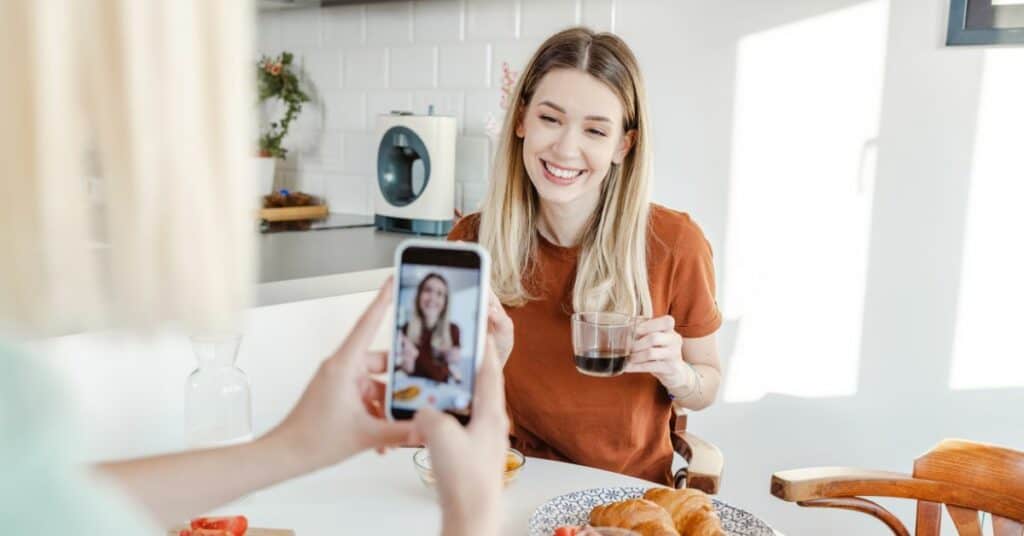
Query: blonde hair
point(612, 270)
point(441, 336)
point(171, 150)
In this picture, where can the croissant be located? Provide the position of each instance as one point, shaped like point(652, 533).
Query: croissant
point(692, 512)
point(638, 515)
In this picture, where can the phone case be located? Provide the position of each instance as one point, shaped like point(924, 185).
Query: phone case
point(399, 315)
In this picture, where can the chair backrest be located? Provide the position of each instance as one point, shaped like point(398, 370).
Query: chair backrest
point(974, 477)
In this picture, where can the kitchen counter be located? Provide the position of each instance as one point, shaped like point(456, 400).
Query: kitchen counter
point(305, 265)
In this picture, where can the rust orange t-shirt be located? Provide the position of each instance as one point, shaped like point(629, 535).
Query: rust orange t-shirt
point(619, 424)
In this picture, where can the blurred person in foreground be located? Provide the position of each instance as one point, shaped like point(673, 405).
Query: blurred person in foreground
point(157, 95)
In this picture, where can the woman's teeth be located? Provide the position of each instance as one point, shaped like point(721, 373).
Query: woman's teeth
point(561, 172)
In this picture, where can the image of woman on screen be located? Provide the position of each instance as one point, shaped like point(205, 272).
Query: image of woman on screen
point(430, 340)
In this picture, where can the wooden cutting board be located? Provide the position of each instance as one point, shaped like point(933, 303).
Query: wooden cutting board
point(311, 212)
point(250, 532)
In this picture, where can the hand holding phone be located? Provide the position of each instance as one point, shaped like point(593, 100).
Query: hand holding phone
point(341, 412)
point(407, 354)
point(464, 459)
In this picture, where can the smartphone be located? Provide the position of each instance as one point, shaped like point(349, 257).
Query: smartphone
point(440, 325)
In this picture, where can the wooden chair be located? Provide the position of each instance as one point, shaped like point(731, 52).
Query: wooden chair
point(704, 460)
point(966, 477)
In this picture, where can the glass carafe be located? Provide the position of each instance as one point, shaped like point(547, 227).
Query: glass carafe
point(218, 400)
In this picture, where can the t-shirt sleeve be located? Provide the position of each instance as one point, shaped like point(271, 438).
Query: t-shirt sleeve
point(465, 229)
point(693, 302)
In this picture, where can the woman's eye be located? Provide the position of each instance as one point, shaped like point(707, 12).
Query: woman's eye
point(548, 119)
point(596, 132)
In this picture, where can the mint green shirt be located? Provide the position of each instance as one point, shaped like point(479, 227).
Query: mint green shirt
point(43, 491)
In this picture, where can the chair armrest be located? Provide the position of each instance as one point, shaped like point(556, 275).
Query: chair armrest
point(811, 484)
point(705, 462)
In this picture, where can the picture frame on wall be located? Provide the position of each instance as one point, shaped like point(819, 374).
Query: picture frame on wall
point(985, 22)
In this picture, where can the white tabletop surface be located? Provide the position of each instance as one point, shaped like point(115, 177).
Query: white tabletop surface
point(374, 494)
point(128, 396)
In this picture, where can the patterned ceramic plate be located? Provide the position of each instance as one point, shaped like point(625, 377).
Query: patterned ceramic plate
point(574, 509)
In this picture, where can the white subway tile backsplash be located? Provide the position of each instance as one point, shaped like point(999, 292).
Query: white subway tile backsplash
point(385, 102)
point(268, 34)
point(300, 28)
point(327, 151)
point(490, 19)
point(342, 25)
point(413, 67)
point(311, 182)
point(471, 159)
point(366, 68)
point(464, 66)
point(349, 193)
point(515, 53)
point(542, 18)
point(389, 23)
point(344, 109)
point(481, 104)
point(321, 68)
point(359, 153)
point(597, 15)
point(310, 119)
point(473, 194)
point(445, 103)
point(438, 21)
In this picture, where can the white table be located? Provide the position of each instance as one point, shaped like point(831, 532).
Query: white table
point(128, 397)
point(374, 494)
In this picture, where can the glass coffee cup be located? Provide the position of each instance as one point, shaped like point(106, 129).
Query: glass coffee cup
point(602, 342)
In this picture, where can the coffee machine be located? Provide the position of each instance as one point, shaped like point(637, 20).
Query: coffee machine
point(415, 173)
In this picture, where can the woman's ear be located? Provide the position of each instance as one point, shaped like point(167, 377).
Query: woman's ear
point(520, 111)
point(625, 145)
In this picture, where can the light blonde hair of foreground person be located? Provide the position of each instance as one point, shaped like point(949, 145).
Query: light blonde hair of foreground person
point(155, 97)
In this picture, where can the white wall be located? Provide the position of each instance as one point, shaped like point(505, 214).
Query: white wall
point(927, 171)
point(918, 164)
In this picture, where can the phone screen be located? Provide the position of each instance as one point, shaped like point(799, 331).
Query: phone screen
point(437, 317)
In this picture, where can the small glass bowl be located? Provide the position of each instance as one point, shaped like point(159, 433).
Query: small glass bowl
point(514, 462)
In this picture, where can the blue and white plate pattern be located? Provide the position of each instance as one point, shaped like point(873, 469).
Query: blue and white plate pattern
point(574, 509)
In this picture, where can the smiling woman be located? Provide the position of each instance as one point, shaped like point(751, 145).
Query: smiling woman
point(570, 227)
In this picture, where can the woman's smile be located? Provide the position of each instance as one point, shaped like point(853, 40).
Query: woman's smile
point(561, 175)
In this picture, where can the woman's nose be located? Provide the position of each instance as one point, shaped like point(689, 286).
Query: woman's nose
point(567, 146)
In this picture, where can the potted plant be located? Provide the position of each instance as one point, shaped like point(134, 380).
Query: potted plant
point(276, 80)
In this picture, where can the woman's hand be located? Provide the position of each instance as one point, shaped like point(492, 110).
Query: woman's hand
point(468, 462)
point(499, 325)
point(453, 355)
point(338, 415)
point(658, 350)
point(341, 411)
point(409, 353)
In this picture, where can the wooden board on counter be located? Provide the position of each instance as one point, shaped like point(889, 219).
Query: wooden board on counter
point(250, 532)
point(311, 212)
